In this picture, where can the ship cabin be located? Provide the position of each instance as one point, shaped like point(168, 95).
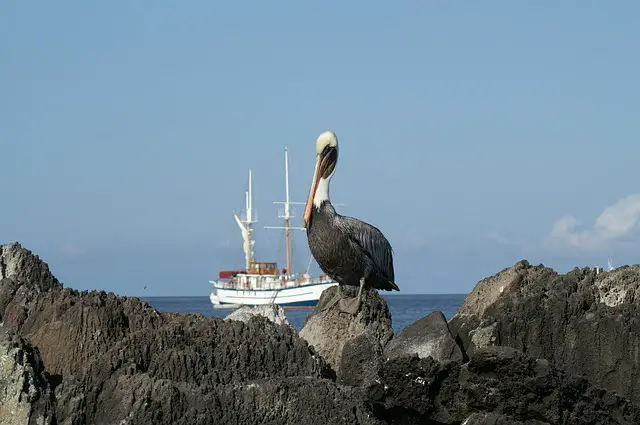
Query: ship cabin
point(262, 267)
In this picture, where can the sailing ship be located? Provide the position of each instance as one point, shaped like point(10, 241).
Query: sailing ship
point(263, 282)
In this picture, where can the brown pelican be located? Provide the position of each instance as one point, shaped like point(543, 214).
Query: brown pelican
point(348, 250)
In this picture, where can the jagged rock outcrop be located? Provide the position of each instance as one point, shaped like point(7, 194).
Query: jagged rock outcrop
point(295, 400)
point(113, 358)
point(273, 312)
point(497, 380)
point(106, 350)
point(96, 358)
point(23, 266)
point(25, 394)
point(328, 331)
point(585, 322)
point(23, 273)
point(71, 328)
point(425, 337)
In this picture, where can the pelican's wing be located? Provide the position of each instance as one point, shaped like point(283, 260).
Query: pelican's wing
point(371, 242)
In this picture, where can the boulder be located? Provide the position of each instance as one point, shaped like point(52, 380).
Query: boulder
point(328, 331)
point(360, 361)
point(586, 321)
point(273, 312)
point(428, 336)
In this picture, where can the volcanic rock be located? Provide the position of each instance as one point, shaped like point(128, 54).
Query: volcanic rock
point(586, 322)
point(273, 312)
point(428, 336)
point(361, 361)
point(23, 266)
point(114, 358)
point(497, 380)
point(328, 331)
point(496, 419)
point(107, 349)
point(78, 357)
point(25, 394)
point(23, 273)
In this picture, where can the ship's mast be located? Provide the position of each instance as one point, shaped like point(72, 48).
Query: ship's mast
point(249, 219)
point(286, 208)
point(286, 213)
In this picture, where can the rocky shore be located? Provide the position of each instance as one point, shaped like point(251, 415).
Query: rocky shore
point(529, 346)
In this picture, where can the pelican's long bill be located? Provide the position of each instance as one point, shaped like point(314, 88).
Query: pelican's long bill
point(312, 191)
point(325, 166)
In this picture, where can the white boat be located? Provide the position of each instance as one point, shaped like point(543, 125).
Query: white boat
point(262, 282)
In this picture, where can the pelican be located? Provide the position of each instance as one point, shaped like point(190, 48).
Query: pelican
point(348, 250)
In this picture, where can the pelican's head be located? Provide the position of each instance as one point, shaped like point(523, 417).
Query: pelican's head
point(326, 160)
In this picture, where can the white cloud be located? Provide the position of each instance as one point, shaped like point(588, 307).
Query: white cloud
point(616, 223)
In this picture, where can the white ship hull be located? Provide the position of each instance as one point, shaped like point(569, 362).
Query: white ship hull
point(293, 297)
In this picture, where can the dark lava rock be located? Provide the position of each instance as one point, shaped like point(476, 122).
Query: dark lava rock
point(428, 336)
point(328, 331)
point(495, 419)
point(585, 322)
point(23, 266)
point(273, 312)
point(25, 394)
point(113, 359)
point(96, 358)
point(142, 399)
point(22, 272)
point(98, 344)
point(497, 380)
point(361, 361)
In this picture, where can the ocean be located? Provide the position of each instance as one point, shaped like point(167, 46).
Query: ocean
point(405, 309)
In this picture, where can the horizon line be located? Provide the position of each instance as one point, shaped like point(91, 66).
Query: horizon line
point(206, 296)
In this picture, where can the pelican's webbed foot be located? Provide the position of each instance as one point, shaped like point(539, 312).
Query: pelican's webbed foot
point(337, 297)
point(350, 305)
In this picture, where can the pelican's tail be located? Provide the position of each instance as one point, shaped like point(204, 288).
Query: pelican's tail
point(391, 286)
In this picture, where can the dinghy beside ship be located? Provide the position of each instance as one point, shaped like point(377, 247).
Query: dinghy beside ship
point(263, 282)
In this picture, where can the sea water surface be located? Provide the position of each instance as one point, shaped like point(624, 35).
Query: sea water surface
point(405, 309)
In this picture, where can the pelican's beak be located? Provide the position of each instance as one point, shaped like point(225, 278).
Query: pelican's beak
point(312, 192)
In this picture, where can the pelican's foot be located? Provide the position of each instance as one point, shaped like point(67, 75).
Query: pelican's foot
point(350, 305)
point(337, 297)
point(331, 303)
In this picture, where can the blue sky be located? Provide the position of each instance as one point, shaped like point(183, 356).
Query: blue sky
point(473, 134)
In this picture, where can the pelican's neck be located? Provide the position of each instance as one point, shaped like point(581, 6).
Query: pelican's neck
point(322, 192)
